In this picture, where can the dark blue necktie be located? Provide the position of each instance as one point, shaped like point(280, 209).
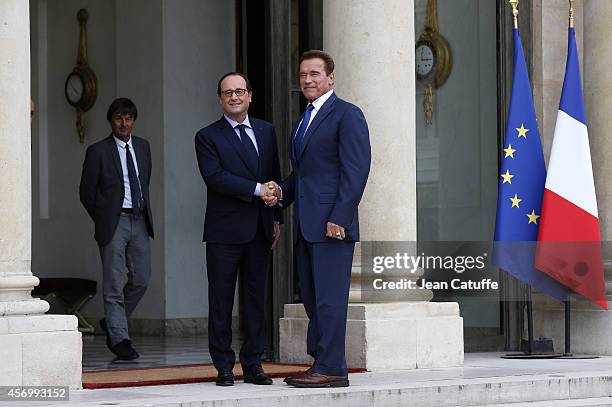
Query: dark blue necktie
point(301, 131)
point(249, 147)
point(137, 201)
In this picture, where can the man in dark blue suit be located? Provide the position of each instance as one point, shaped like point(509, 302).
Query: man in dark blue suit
point(236, 155)
point(330, 153)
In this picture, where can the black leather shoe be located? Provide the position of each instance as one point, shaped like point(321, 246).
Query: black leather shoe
point(124, 350)
point(256, 375)
point(225, 377)
point(105, 329)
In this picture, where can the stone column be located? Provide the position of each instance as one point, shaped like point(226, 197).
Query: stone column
point(373, 48)
point(16, 279)
point(598, 103)
point(35, 349)
point(598, 100)
point(372, 75)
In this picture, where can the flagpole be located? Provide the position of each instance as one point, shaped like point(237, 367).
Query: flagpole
point(567, 354)
point(522, 112)
point(529, 351)
point(568, 346)
point(529, 323)
point(515, 13)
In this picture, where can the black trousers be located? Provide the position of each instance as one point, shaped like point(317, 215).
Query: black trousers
point(224, 263)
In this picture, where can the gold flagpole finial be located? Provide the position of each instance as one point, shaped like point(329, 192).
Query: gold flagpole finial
point(514, 4)
point(571, 13)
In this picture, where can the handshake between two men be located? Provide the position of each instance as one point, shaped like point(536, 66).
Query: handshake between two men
point(271, 194)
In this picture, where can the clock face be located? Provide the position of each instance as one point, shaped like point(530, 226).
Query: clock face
point(74, 88)
point(424, 60)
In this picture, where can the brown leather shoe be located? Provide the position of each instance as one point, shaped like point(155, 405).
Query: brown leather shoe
point(304, 373)
point(319, 380)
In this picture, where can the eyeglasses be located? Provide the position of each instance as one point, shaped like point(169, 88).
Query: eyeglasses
point(239, 92)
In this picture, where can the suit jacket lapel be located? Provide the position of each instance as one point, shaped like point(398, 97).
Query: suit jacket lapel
point(291, 138)
point(232, 138)
point(261, 145)
point(112, 146)
point(140, 159)
point(318, 119)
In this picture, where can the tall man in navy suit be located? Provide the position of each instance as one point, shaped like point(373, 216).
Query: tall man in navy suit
point(236, 155)
point(330, 153)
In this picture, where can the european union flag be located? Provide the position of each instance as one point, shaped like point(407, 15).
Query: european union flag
point(521, 187)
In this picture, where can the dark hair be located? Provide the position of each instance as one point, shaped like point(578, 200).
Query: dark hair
point(243, 76)
point(122, 106)
point(315, 53)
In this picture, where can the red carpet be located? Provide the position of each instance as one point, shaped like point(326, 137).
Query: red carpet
point(104, 379)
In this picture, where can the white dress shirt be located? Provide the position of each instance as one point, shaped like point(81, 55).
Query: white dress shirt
point(127, 198)
point(316, 104)
point(249, 131)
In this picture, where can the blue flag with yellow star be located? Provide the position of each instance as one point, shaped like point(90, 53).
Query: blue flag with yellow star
point(521, 187)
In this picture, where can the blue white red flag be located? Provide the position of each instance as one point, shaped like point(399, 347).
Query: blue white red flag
point(569, 243)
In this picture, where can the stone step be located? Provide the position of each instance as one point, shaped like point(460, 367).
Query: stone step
point(591, 402)
point(388, 389)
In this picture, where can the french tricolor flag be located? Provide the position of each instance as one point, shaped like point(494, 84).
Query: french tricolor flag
point(569, 243)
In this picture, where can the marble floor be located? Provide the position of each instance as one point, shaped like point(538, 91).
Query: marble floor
point(154, 352)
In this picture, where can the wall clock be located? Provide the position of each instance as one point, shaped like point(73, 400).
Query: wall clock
point(433, 58)
point(81, 88)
